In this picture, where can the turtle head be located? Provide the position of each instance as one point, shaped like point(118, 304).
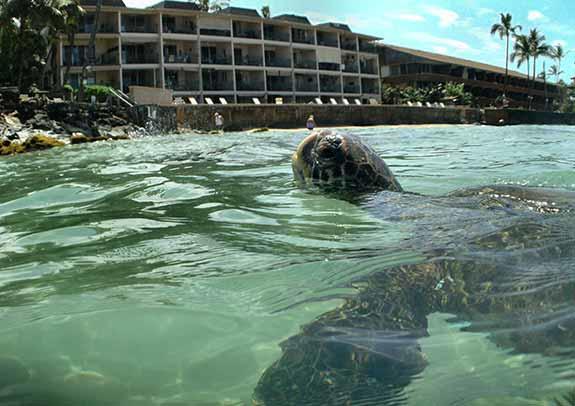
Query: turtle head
point(338, 161)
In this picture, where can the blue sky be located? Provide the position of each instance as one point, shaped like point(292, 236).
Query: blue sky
point(453, 27)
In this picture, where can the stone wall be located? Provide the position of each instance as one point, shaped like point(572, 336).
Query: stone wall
point(516, 117)
point(242, 117)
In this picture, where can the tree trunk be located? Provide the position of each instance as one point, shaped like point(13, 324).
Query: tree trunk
point(21, 34)
point(506, 67)
point(91, 50)
point(533, 80)
point(71, 43)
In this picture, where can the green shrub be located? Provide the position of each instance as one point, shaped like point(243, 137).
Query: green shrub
point(101, 92)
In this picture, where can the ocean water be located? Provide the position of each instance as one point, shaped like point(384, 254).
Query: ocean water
point(168, 270)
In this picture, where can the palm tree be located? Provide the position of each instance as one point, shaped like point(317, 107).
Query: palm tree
point(554, 71)
point(538, 47)
point(558, 53)
point(74, 14)
point(266, 13)
point(521, 52)
point(505, 29)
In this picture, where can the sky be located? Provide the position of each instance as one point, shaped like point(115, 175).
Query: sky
point(458, 28)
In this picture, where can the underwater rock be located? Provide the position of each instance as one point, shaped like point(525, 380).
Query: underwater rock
point(260, 130)
point(12, 372)
point(41, 142)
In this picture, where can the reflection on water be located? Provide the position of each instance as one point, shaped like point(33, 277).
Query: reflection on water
point(167, 271)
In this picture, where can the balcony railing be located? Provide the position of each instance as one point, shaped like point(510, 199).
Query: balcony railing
point(217, 85)
point(306, 87)
point(276, 36)
point(351, 89)
point(305, 64)
point(215, 32)
point(253, 34)
point(330, 87)
point(368, 69)
point(175, 29)
point(216, 60)
point(181, 58)
point(349, 45)
point(140, 29)
point(280, 86)
point(278, 62)
point(327, 42)
point(183, 86)
point(104, 29)
point(107, 59)
point(370, 48)
point(370, 90)
point(351, 68)
point(303, 39)
point(249, 61)
point(329, 66)
point(250, 86)
point(151, 58)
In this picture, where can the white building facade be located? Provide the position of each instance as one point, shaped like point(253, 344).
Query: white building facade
point(233, 54)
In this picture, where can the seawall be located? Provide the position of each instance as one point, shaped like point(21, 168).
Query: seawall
point(239, 117)
point(242, 117)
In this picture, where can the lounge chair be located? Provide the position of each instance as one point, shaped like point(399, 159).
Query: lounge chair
point(318, 100)
point(428, 104)
point(357, 101)
point(193, 101)
point(345, 101)
point(419, 104)
point(208, 100)
point(256, 100)
point(279, 100)
point(410, 104)
point(332, 100)
point(373, 102)
point(179, 100)
point(223, 100)
point(442, 105)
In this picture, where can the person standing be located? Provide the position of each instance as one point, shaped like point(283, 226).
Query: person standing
point(310, 124)
point(219, 121)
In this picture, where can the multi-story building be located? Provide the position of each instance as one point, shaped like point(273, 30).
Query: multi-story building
point(402, 66)
point(234, 53)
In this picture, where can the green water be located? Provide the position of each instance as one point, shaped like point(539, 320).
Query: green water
point(167, 270)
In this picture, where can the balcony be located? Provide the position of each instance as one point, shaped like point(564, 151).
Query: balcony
point(274, 35)
point(368, 69)
point(303, 37)
point(216, 60)
point(348, 45)
point(218, 85)
point(249, 61)
point(104, 29)
point(81, 58)
point(353, 89)
point(279, 86)
point(278, 62)
point(250, 87)
point(331, 66)
point(367, 47)
point(150, 58)
point(181, 58)
point(306, 87)
point(186, 86)
point(330, 87)
point(351, 68)
point(327, 40)
point(178, 25)
point(215, 32)
point(305, 64)
point(140, 29)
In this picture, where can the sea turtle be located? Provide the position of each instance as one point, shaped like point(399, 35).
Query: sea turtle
point(505, 267)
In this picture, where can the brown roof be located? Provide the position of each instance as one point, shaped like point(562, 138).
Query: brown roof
point(452, 60)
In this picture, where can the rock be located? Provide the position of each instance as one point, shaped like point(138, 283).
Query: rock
point(39, 142)
point(12, 372)
point(260, 130)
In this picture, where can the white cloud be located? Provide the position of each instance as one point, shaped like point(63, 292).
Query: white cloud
point(410, 17)
point(446, 17)
point(439, 49)
point(446, 43)
point(535, 15)
point(483, 11)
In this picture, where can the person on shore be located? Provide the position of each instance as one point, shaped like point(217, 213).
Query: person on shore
point(310, 124)
point(219, 121)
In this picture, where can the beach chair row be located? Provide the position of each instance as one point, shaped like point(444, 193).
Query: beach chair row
point(427, 104)
point(278, 100)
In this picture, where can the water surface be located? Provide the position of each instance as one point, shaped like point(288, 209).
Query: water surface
point(167, 270)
